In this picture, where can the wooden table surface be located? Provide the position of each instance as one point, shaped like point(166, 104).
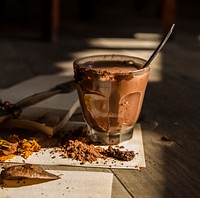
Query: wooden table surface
point(170, 128)
point(170, 123)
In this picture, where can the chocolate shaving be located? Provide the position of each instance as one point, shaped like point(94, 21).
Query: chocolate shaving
point(120, 155)
point(15, 146)
point(7, 148)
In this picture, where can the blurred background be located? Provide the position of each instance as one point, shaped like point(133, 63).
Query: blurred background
point(40, 37)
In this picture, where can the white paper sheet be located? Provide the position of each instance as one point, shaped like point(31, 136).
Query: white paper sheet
point(64, 103)
point(47, 157)
point(73, 184)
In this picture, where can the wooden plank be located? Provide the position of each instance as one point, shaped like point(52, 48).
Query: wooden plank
point(171, 109)
point(176, 110)
point(171, 171)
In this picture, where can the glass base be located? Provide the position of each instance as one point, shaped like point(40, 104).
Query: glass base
point(110, 138)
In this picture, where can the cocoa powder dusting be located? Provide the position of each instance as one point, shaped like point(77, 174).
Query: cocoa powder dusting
point(79, 147)
point(83, 152)
point(75, 144)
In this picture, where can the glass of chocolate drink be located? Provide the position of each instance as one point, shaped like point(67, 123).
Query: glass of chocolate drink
point(111, 89)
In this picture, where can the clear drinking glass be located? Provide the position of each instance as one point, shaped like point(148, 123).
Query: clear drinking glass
point(111, 89)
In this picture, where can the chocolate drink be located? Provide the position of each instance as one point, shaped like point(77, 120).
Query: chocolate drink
point(111, 90)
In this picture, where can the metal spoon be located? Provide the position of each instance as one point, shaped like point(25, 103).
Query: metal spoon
point(160, 46)
point(8, 110)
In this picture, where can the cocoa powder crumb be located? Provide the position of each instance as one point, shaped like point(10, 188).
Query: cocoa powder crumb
point(77, 150)
point(120, 155)
point(165, 138)
point(79, 147)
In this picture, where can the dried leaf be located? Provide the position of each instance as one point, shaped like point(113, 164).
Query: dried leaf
point(26, 171)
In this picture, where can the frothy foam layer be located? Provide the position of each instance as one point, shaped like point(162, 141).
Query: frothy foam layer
point(112, 66)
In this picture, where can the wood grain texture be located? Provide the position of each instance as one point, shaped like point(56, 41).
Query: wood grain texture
point(171, 110)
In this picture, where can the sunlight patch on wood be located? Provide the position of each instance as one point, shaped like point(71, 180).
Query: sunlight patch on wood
point(156, 69)
point(122, 43)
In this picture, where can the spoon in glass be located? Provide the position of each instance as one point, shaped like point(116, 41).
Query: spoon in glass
point(160, 46)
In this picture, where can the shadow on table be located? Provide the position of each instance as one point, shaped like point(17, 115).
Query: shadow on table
point(170, 114)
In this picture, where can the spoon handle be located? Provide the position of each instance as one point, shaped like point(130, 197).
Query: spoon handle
point(162, 43)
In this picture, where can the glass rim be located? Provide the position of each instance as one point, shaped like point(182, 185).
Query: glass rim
point(110, 56)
